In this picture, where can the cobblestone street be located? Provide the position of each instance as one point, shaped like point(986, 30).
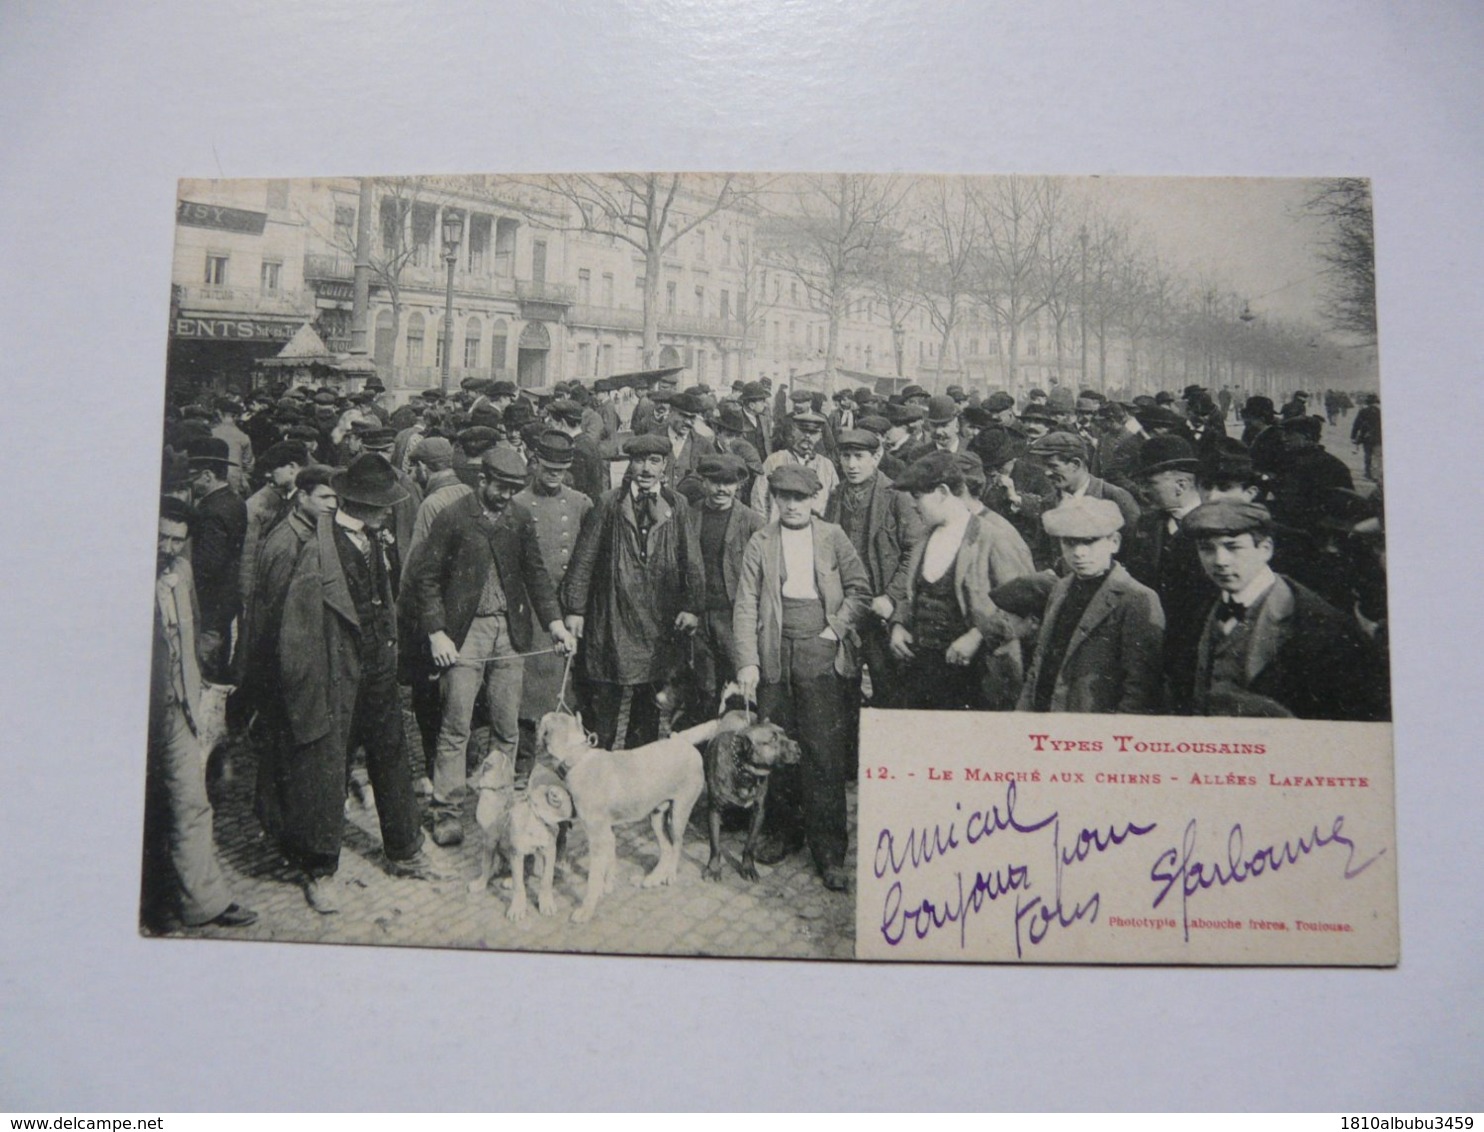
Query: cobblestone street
point(787, 914)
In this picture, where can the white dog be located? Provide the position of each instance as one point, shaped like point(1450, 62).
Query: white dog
point(612, 788)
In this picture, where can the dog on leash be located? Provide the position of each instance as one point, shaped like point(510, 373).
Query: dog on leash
point(658, 781)
point(737, 763)
point(520, 825)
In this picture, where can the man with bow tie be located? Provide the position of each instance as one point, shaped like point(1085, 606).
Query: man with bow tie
point(637, 581)
point(1269, 646)
point(476, 579)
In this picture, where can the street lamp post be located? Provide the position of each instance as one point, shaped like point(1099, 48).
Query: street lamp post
point(453, 233)
point(1082, 305)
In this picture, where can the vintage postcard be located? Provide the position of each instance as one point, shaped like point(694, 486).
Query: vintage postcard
point(846, 566)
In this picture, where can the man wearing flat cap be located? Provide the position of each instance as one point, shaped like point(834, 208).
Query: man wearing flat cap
point(217, 535)
point(268, 505)
point(884, 527)
point(1270, 646)
point(802, 592)
point(482, 590)
point(337, 668)
point(721, 526)
point(587, 470)
point(759, 430)
point(687, 446)
point(805, 450)
point(1100, 648)
point(635, 586)
point(1063, 457)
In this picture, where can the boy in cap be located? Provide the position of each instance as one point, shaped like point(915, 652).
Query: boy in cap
point(1270, 646)
point(635, 582)
point(1100, 648)
point(884, 528)
point(801, 593)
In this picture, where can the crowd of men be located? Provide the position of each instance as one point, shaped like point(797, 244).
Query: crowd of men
point(628, 548)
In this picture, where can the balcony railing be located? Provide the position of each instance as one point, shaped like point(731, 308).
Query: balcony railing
point(545, 292)
point(616, 318)
point(431, 377)
point(244, 300)
point(319, 266)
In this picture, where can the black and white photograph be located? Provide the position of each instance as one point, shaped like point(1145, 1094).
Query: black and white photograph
point(530, 546)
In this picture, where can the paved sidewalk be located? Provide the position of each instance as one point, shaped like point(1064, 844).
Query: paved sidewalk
point(787, 914)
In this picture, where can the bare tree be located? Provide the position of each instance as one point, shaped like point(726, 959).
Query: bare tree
point(893, 279)
point(949, 227)
point(651, 212)
point(1348, 249)
point(1012, 225)
point(831, 228)
point(1059, 274)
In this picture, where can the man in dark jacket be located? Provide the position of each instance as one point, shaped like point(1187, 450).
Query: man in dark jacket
point(1366, 432)
point(1270, 647)
point(721, 526)
point(884, 527)
point(636, 580)
point(476, 577)
point(337, 668)
point(216, 552)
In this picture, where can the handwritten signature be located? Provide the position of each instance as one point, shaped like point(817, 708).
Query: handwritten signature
point(1035, 916)
point(1181, 867)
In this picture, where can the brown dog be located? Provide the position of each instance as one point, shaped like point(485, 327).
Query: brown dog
point(520, 825)
point(657, 781)
point(738, 762)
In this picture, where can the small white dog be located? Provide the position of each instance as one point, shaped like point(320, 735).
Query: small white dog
point(657, 781)
point(519, 825)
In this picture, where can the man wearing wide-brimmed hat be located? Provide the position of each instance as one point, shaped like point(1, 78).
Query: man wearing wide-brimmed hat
point(337, 657)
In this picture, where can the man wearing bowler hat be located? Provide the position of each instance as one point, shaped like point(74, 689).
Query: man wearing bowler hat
point(478, 578)
point(733, 426)
point(217, 537)
point(636, 583)
point(943, 420)
point(337, 660)
point(801, 593)
point(1164, 557)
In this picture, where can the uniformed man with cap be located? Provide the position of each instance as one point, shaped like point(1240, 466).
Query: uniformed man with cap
point(805, 449)
point(482, 588)
point(1270, 646)
point(557, 512)
point(1100, 647)
point(635, 584)
point(802, 592)
point(721, 526)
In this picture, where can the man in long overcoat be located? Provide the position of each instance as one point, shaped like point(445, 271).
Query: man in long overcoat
point(635, 582)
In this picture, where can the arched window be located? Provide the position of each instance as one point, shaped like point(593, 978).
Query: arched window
point(499, 344)
point(415, 339)
point(472, 331)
